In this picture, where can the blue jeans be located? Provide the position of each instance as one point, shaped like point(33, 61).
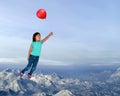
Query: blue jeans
point(32, 63)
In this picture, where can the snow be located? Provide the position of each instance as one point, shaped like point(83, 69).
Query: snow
point(54, 85)
point(115, 77)
point(38, 85)
point(64, 93)
point(39, 94)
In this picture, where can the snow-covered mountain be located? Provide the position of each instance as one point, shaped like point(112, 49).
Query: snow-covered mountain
point(64, 93)
point(115, 77)
point(53, 85)
point(39, 84)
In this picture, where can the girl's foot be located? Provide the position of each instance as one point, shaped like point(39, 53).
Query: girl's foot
point(29, 76)
point(21, 74)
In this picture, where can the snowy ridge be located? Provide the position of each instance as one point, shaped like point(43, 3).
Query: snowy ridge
point(53, 85)
point(64, 93)
point(39, 84)
point(115, 77)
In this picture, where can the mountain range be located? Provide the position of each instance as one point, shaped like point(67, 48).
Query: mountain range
point(54, 85)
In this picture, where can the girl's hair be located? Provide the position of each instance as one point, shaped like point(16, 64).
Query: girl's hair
point(34, 35)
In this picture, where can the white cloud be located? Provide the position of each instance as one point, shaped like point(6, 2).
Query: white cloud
point(12, 60)
point(52, 62)
point(57, 52)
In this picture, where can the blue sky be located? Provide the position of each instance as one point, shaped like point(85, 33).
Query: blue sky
point(85, 31)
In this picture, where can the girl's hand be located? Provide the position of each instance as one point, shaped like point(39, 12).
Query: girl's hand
point(51, 33)
point(28, 57)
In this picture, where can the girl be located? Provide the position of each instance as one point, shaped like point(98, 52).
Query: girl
point(34, 53)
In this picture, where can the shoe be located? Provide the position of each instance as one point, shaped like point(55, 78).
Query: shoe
point(21, 74)
point(29, 76)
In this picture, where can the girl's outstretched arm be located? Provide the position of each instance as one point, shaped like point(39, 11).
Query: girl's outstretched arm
point(47, 37)
point(30, 49)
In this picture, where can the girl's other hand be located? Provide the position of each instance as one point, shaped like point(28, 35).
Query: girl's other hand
point(28, 58)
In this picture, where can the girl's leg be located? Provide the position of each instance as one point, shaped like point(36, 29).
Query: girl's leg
point(36, 59)
point(29, 64)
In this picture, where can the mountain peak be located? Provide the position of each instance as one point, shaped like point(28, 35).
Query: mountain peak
point(115, 77)
point(40, 84)
point(64, 93)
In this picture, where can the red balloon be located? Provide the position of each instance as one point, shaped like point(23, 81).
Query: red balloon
point(41, 14)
